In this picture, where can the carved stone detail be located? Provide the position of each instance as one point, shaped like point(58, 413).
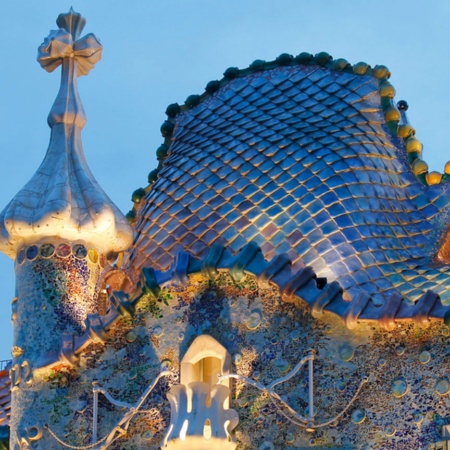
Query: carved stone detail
point(200, 414)
point(207, 425)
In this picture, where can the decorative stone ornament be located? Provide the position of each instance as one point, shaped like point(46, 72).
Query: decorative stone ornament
point(207, 425)
point(63, 198)
point(65, 43)
point(200, 414)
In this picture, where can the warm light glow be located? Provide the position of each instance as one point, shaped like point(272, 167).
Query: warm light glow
point(183, 430)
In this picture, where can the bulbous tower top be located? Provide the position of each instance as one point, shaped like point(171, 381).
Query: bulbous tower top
point(63, 199)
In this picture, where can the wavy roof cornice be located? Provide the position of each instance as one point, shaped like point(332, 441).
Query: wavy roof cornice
point(301, 286)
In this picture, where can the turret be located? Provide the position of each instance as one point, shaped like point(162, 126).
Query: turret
point(60, 227)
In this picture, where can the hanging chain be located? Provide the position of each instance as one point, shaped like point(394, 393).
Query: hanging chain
point(47, 427)
point(302, 422)
point(275, 398)
point(363, 382)
point(133, 410)
point(298, 419)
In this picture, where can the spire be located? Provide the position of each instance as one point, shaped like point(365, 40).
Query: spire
point(63, 199)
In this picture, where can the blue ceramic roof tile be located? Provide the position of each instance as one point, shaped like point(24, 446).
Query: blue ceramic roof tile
point(300, 160)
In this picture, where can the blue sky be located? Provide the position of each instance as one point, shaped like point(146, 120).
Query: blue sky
point(156, 53)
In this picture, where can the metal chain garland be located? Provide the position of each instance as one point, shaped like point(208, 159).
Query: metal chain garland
point(47, 427)
point(303, 423)
point(133, 410)
point(299, 420)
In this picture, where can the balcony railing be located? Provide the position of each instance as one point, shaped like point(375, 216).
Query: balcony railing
point(4, 363)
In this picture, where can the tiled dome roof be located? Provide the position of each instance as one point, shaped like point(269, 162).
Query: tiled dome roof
point(312, 159)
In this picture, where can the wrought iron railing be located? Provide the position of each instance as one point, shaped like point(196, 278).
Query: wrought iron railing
point(4, 363)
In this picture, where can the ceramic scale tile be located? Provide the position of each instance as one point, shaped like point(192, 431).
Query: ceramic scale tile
point(299, 160)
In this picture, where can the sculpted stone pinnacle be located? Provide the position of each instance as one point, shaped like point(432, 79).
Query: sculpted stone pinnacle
point(63, 199)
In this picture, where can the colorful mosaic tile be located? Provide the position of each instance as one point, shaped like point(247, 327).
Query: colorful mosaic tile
point(403, 405)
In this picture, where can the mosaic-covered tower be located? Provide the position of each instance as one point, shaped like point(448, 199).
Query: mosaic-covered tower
point(60, 228)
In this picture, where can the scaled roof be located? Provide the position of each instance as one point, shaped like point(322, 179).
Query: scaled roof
point(308, 157)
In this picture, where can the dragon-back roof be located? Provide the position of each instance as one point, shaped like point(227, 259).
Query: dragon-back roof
point(307, 156)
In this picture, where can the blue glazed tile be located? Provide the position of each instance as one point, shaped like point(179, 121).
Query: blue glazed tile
point(353, 263)
point(351, 234)
point(337, 238)
point(308, 226)
point(339, 268)
point(345, 221)
point(374, 272)
point(321, 218)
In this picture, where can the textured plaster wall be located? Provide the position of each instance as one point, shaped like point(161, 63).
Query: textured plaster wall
point(403, 405)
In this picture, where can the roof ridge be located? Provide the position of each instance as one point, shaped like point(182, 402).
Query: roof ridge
point(395, 114)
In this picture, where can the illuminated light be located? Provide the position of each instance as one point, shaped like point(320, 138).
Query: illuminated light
point(444, 252)
point(207, 432)
point(200, 413)
point(183, 430)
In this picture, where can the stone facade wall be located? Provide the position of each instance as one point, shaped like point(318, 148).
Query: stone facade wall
point(404, 404)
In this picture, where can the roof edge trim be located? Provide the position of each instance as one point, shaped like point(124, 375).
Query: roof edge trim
point(302, 286)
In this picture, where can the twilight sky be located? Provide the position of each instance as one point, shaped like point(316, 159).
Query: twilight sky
point(159, 52)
